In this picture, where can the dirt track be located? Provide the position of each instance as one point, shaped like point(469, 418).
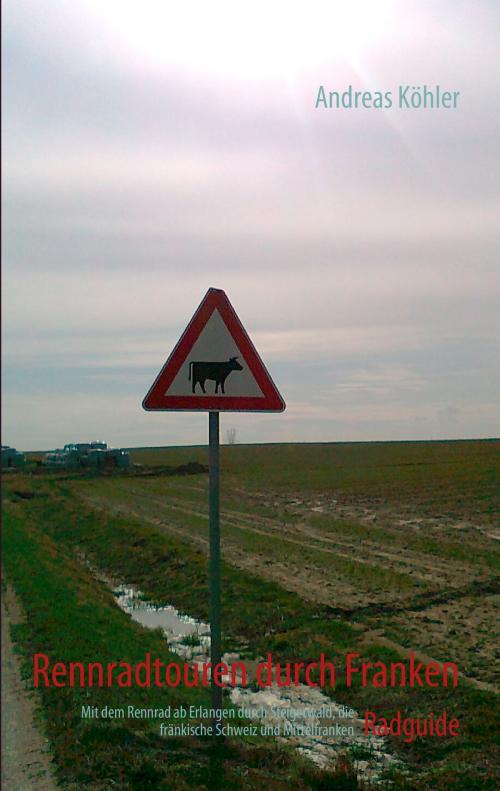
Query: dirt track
point(25, 758)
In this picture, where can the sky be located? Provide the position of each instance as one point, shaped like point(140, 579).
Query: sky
point(153, 150)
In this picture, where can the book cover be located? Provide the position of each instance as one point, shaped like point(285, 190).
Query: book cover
point(250, 395)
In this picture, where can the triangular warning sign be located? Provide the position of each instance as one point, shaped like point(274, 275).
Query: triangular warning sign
point(214, 366)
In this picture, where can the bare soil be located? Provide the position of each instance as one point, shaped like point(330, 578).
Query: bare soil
point(26, 763)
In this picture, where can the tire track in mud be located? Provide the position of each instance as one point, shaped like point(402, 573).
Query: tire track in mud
point(422, 601)
point(449, 567)
point(420, 561)
point(305, 545)
point(365, 509)
point(414, 565)
point(306, 578)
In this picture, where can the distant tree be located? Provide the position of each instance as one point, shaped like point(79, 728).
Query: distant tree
point(231, 436)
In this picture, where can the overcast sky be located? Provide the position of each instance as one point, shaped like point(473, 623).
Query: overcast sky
point(152, 150)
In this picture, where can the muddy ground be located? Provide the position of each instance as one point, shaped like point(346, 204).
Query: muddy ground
point(413, 575)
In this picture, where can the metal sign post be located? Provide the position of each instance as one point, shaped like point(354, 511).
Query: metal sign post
point(214, 522)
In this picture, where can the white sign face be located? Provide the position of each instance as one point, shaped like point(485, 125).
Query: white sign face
point(214, 345)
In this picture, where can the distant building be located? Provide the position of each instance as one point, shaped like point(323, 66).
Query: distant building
point(88, 454)
point(12, 457)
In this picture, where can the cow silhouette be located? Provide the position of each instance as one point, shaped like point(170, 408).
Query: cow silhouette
point(217, 372)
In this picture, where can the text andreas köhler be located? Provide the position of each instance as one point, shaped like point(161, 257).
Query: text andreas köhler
point(405, 97)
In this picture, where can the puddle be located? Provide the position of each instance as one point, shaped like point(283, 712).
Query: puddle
point(186, 637)
point(303, 715)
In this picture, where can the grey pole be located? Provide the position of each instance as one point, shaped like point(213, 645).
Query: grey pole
point(214, 521)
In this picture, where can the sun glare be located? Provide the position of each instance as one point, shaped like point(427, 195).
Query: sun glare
point(244, 40)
